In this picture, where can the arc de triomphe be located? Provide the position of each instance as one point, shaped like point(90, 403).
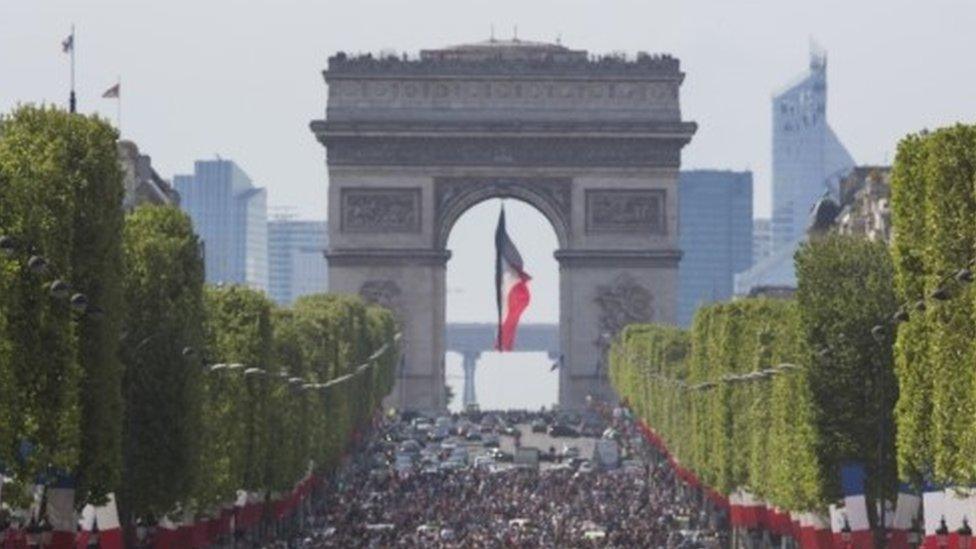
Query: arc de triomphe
point(594, 143)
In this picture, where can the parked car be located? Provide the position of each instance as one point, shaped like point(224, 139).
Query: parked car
point(538, 426)
point(563, 431)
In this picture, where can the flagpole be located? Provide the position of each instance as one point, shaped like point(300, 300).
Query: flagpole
point(72, 105)
point(118, 106)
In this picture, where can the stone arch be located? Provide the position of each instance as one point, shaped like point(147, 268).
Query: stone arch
point(550, 196)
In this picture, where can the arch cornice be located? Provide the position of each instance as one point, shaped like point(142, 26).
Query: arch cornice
point(453, 196)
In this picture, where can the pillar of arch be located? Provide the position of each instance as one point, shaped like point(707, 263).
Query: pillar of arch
point(592, 143)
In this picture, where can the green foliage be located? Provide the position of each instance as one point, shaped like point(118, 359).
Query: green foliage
point(845, 289)
point(60, 196)
point(113, 399)
point(933, 207)
point(262, 432)
point(162, 387)
point(783, 436)
point(731, 434)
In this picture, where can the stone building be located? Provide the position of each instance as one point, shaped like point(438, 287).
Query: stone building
point(593, 142)
point(142, 184)
point(865, 203)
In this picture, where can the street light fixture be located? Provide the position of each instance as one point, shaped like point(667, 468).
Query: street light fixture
point(942, 533)
point(965, 535)
point(7, 245)
point(37, 264)
point(60, 289)
point(79, 302)
point(846, 537)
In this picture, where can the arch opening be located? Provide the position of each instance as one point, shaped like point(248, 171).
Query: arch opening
point(524, 378)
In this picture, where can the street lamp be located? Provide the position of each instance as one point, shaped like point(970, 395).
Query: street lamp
point(7, 245)
point(942, 533)
point(845, 533)
point(93, 536)
point(59, 289)
point(79, 302)
point(965, 535)
point(37, 264)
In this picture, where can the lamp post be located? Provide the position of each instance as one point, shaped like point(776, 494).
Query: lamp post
point(965, 535)
point(942, 533)
point(846, 537)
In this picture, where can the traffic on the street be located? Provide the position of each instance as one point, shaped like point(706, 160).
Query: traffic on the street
point(508, 479)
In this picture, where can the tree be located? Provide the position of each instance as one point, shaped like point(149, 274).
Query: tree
point(60, 199)
point(235, 430)
point(933, 206)
point(162, 347)
point(845, 290)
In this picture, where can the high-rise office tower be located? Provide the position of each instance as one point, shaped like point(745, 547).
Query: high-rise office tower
point(715, 235)
point(808, 158)
point(808, 162)
point(296, 250)
point(231, 216)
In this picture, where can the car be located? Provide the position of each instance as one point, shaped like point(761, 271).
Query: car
point(585, 467)
point(490, 441)
point(563, 431)
point(473, 435)
point(451, 466)
point(409, 446)
point(539, 426)
point(483, 462)
point(498, 455)
point(570, 451)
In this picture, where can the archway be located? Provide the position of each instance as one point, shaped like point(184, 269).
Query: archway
point(592, 144)
point(473, 370)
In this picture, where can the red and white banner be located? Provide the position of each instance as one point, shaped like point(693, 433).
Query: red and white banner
point(511, 286)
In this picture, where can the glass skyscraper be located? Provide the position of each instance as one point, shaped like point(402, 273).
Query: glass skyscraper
point(231, 216)
point(715, 235)
point(808, 158)
point(808, 162)
point(296, 250)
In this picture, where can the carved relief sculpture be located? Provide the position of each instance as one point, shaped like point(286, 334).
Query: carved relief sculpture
point(384, 293)
point(621, 303)
point(626, 211)
point(385, 210)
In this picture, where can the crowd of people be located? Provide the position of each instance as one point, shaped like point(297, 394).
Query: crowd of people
point(637, 505)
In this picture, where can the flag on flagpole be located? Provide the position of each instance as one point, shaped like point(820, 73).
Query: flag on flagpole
point(511, 286)
point(113, 92)
point(68, 44)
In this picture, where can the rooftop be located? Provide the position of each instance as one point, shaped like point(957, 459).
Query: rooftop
point(504, 57)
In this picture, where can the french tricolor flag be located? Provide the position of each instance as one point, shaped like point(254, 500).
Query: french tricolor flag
point(511, 286)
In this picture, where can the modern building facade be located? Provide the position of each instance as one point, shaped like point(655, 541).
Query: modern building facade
point(296, 254)
point(715, 232)
point(762, 239)
point(808, 158)
point(808, 162)
point(231, 216)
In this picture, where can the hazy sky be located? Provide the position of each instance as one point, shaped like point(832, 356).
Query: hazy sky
point(243, 78)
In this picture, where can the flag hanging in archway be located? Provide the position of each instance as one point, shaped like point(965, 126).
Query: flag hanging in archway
point(511, 286)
